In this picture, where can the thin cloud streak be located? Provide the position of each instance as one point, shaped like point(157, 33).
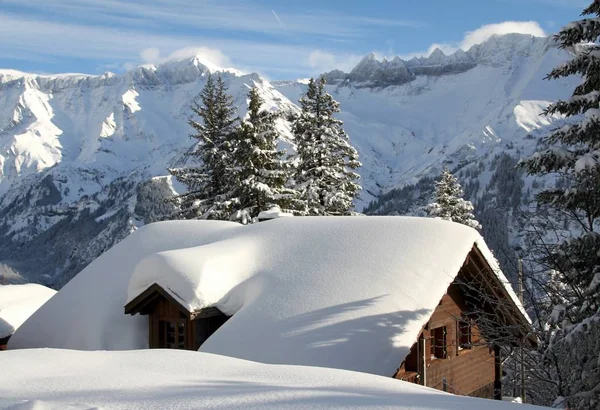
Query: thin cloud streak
point(113, 33)
point(124, 48)
point(278, 19)
point(227, 16)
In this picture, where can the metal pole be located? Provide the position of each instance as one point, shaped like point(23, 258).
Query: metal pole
point(520, 266)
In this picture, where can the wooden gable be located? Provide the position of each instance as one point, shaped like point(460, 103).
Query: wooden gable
point(170, 324)
point(453, 352)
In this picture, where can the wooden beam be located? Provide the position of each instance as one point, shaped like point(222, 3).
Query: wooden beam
point(497, 373)
point(144, 299)
point(138, 304)
point(206, 312)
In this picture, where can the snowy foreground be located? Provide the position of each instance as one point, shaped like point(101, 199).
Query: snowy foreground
point(18, 302)
point(50, 379)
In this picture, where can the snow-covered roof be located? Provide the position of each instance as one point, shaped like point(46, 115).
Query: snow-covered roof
point(18, 302)
point(48, 379)
point(342, 292)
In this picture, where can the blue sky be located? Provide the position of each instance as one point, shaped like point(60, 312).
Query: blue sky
point(281, 39)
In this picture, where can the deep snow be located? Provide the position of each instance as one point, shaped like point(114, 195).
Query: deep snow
point(48, 379)
point(341, 292)
point(18, 302)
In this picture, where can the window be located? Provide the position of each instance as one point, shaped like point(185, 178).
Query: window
point(464, 334)
point(438, 343)
point(171, 334)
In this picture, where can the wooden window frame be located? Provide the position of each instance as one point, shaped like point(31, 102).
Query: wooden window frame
point(176, 322)
point(439, 350)
point(464, 333)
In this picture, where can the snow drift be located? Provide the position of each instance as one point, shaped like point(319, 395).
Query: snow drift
point(47, 379)
point(18, 302)
point(342, 292)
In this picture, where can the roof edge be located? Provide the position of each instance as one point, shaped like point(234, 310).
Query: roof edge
point(136, 304)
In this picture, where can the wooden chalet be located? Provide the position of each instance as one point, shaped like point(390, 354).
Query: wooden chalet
point(458, 349)
point(170, 324)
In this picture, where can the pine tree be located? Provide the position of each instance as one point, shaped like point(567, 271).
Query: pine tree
point(572, 343)
point(325, 177)
point(261, 171)
point(209, 185)
point(449, 204)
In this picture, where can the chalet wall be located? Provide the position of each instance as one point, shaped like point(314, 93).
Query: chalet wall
point(164, 310)
point(463, 371)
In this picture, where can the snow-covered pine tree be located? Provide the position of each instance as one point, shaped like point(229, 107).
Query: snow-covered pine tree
point(572, 345)
point(449, 203)
point(325, 177)
point(209, 185)
point(261, 170)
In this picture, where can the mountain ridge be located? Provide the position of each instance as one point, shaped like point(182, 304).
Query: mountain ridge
point(372, 72)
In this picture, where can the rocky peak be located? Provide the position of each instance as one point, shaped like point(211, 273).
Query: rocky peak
point(437, 57)
point(497, 50)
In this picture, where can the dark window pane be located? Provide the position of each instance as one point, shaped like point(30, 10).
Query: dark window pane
point(464, 334)
point(181, 335)
point(170, 335)
point(161, 335)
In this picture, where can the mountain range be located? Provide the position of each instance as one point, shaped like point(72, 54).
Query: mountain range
point(83, 158)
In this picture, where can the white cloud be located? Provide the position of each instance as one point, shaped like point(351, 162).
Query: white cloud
point(40, 41)
point(320, 58)
point(321, 61)
point(211, 57)
point(150, 55)
point(205, 54)
point(485, 32)
point(112, 32)
point(480, 35)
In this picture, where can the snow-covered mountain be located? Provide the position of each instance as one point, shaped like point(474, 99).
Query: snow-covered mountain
point(477, 112)
point(81, 157)
point(78, 155)
point(405, 126)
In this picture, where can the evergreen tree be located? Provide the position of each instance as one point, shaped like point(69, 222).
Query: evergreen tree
point(449, 204)
point(261, 171)
point(209, 185)
point(325, 177)
point(571, 344)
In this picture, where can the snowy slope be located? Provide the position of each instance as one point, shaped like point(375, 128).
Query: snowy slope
point(408, 128)
point(109, 124)
point(343, 292)
point(77, 152)
point(477, 112)
point(18, 302)
point(49, 379)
